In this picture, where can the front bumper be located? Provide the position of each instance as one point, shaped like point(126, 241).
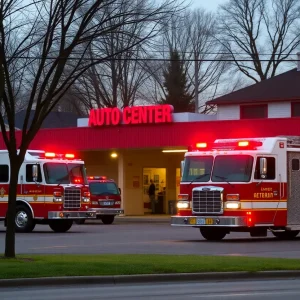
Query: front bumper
point(72, 214)
point(108, 211)
point(215, 221)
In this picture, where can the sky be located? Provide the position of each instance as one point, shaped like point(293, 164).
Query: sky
point(211, 5)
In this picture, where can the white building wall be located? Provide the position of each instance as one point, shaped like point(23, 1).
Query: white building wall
point(279, 110)
point(228, 112)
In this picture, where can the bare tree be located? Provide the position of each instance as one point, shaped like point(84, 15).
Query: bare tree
point(259, 34)
point(116, 82)
point(192, 34)
point(44, 46)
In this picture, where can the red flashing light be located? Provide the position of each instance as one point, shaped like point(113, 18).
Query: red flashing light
point(77, 180)
point(70, 155)
point(201, 145)
point(97, 177)
point(50, 154)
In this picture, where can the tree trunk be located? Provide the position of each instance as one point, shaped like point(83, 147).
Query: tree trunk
point(11, 211)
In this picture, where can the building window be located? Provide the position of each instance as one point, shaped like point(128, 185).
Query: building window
point(295, 109)
point(254, 111)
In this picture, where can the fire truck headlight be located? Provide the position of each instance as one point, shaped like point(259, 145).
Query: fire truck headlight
point(57, 199)
point(85, 199)
point(232, 205)
point(183, 204)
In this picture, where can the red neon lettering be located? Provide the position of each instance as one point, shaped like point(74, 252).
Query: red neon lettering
point(115, 116)
point(151, 109)
point(131, 115)
point(143, 115)
point(158, 113)
point(167, 113)
point(126, 115)
point(92, 118)
point(100, 117)
point(107, 112)
point(135, 113)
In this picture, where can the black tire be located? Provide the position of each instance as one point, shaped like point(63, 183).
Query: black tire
point(286, 235)
point(24, 221)
point(60, 225)
point(107, 219)
point(212, 234)
point(80, 221)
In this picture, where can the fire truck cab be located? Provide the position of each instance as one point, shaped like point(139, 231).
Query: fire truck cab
point(241, 185)
point(52, 189)
point(105, 199)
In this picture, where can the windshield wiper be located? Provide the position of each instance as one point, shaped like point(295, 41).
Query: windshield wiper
point(60, 180)
point(199, 177)
point(223, 178)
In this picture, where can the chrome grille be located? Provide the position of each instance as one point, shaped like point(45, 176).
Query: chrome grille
point(72, 198)
point(207, 201)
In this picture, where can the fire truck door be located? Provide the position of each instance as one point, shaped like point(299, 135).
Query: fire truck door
point(34, 191)
point(293, 188)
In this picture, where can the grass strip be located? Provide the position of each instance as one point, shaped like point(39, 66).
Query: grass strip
point(34, 266)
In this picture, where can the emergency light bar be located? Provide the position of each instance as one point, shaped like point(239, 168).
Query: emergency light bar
point(59, 155)
point(234, 145)
point(97, 177)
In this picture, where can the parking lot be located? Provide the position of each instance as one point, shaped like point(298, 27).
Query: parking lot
point(146, 237)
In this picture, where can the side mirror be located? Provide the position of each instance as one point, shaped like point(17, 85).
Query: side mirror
point(263, 169)
point(35, 172)
point(182, 167)
point(120, 191)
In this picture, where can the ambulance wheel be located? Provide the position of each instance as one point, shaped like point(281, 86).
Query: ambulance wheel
point(107, 219)
point(212, 234)
point(60, 225)
point(23, 220)
point(286, 235)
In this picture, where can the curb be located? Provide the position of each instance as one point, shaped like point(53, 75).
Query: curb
point(148, 278)
point(133, 220)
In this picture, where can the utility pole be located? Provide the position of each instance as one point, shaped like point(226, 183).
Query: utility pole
point(196, 83)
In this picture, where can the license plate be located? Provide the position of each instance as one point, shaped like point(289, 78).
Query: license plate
point(106, 203)
point(206, 221)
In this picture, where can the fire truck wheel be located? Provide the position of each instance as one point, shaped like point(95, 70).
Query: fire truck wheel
point(212, 234)
point(286, 235)
point(60, 225)
point(23, 220)
point(107, 219)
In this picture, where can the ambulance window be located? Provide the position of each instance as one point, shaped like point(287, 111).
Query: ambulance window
point(4, 173)
point(29, 173)
point(270, 168)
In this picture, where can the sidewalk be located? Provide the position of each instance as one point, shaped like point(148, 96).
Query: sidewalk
point(138, 219)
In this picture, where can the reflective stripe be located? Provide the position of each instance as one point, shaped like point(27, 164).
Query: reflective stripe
point(266, 205)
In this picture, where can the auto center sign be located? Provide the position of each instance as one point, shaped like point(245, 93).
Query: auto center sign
point(131, 115)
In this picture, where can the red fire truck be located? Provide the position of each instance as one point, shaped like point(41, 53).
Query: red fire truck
point(241, 185)
point(52, 189)
point(105, 199)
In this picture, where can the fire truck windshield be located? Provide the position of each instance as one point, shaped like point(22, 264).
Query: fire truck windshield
point(232, 168)
point(224, 168)
point(62, 173)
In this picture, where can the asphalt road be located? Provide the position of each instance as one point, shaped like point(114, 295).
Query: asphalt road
point(141, 238)
point(246, 290)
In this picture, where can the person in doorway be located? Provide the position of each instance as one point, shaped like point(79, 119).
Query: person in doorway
point(151, 193)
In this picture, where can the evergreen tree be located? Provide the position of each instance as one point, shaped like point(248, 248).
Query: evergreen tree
point(175, 84)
